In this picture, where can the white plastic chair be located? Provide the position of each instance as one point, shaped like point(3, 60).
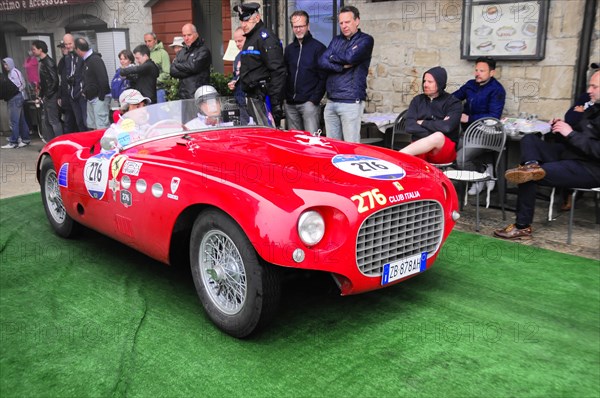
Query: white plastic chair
point(485, 133)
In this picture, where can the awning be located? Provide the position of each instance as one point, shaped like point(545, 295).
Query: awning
point(25, 5)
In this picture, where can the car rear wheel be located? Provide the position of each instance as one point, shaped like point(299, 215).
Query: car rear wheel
point(239, 294)
point(60, 221)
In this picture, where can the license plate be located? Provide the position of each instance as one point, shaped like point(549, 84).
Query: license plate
point(403, 268)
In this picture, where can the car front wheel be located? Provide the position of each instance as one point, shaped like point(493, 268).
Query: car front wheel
point(238, 293)
point(60, 221)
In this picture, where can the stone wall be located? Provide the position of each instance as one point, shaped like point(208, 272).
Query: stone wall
point(412, 36)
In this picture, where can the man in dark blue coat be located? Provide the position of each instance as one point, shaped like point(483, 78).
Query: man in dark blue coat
point(305, 84)
point(483, 96)
point(346, 61)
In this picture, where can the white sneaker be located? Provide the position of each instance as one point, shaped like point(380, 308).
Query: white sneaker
point(21, 144)
point(9, 146)
point(476, 188)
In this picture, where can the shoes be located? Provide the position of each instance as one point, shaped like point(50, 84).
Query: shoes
point(475, 188)
point(525, 173)
point(21, 144)
point(10, 146)
point(511, 232)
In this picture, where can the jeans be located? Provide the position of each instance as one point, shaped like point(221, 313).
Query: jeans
point(16, 115)
point(343, 120)
point(559, 173)
point(97, 113)
point(51, 125)
point(303, 116)
point(161, 95)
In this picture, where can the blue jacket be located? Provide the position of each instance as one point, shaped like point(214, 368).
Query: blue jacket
point(305, 81)
point(482, 100)
point(347, 84)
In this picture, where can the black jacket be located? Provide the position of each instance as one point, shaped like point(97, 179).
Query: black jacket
point(262, 61)
point(305, 81)
point(95, 78)
point(434, 111)
point(74, 71)
point(48, 78)
point(145, 78)
point(583, 143)
point(7, 88)
point(192, 68)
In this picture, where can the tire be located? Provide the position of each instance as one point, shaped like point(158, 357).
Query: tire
point(62, 224)
point(239, 293)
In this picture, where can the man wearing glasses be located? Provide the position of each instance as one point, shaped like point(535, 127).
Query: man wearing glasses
point(305, 84)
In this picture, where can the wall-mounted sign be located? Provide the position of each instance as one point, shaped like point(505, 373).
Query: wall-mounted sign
point(504, 29)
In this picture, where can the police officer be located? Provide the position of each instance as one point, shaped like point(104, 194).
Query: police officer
point(262, 69)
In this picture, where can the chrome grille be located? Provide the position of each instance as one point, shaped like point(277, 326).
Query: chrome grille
point(398, 232)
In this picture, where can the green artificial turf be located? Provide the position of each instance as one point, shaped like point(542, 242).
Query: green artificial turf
point(91, 317)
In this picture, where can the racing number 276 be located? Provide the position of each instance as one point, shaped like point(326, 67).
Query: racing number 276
point(94, 171)
point(366, 200)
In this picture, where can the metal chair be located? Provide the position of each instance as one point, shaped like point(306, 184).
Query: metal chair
point(572, 211)
point(400, 138)
point(485, 133)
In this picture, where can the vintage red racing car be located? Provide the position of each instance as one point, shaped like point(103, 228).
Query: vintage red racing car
point(243, 200)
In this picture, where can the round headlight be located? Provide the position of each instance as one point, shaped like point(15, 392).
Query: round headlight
point(311, 227)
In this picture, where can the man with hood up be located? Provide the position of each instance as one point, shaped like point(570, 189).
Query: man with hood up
point(433, 119)
point(18, 124)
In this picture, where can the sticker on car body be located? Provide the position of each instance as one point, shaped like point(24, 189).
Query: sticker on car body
point(368, 167)
point(96, 174)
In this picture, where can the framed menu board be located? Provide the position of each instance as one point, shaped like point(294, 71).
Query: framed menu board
point(504, 29)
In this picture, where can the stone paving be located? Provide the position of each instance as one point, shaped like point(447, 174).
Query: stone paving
point(18, 177)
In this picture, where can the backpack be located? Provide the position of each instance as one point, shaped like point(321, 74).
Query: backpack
point(7, 88)
point(118, 85)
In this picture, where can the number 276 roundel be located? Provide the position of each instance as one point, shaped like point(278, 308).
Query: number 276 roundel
point(368, 167)
point(96, 174)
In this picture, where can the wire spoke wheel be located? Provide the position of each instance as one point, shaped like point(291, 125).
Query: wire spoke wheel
point(238, 291)
point(223, 272)
point(56, 208)
point(56, 211)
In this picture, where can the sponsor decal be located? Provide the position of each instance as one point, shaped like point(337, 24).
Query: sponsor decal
point(132, 168)
point(398, 186)
point(401, 197)
point(174, 186)
point(368, 167)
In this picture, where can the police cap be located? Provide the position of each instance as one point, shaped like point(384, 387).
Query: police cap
point(246, 10)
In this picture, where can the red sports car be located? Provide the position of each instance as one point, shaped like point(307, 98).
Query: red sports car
point(246, 200)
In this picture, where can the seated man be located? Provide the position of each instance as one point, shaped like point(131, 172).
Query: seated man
point(209, 109)
point(568, 163)
point(130, 129)
point(433, 120)
point(484, 96)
